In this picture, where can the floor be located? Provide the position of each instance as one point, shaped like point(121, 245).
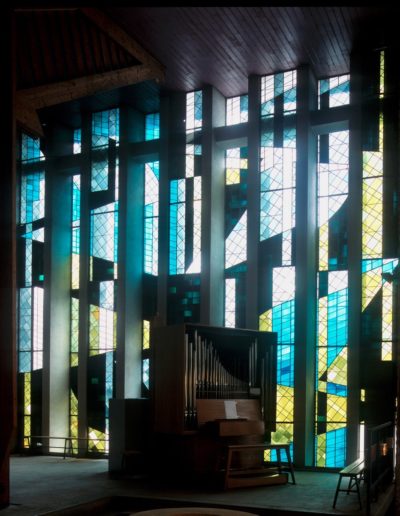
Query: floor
point(50, 485)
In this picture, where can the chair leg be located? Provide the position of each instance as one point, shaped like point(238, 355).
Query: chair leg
point(358, 491)
point(351, 480)
point(287, 450)
point(337, 491)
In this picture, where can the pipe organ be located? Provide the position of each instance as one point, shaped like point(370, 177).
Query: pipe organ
point(211, 386)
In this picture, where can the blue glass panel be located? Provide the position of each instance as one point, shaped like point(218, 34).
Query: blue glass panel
point(336, 448)
point(152, 126)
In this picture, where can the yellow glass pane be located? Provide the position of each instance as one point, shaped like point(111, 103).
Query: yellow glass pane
point(146, 334)
point(98, 441)
point(371, 283)
point(323, 247)
point(232, 176)
point(265, 321)
point(73, 403)
point(284, 402)
point(336, 408)
point(382, 74)
point(322, 321)
point(27, 394)
point(321, 450)
point(283, 433)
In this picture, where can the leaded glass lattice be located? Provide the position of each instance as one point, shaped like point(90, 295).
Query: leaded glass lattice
point(332, 295)
point(152, 126)
point(334, 91)
point(31, 240)
point(237, 110)
point(151, 213)
point(279, 94)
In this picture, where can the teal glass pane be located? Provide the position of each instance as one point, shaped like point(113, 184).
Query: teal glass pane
point(152, 126)
point(30, 149)
point(177, 226)
point(77, 148)
point(105, 126)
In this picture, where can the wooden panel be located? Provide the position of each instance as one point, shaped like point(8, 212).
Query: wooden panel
point(223, 45)
point(167, 346)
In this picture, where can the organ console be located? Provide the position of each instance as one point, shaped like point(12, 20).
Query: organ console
point(212, 387)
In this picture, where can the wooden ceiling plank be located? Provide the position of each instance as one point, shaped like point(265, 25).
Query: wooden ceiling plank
point(95, 48)
point(24, 61)
point(113, 52)
point(57, 48)
point(56, 93)
point(67, 43)
point(35, 56)
point(43, 45)
point(121, 37)
point(87, 47)
point(76, 44)
point(105, 50)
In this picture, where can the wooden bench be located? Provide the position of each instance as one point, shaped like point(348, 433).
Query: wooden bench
point(255, 476)
point(354, 472)
point(68, 442)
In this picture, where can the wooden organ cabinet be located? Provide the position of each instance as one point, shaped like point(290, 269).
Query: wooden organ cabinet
point(212, 387)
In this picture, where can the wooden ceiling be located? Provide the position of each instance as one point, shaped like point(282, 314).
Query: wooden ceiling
point(65, 54)
point(223, 45)
point(94, 55)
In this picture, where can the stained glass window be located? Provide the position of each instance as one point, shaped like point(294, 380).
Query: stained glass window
point(151, 213)
point(278, 155)
point(145, 359)
point(279, 94)
point(31, 238)
point(77, 141)
point(177, 226)
point(334, 91)
point(152, 126)
point(237, 110)
point(376, 268)
point(185, 199)
point(278, 181)
point(30, 149)
point(103, 271)
point(194, 111)
point(236, 169)
point(332, 294)
point(280, 319)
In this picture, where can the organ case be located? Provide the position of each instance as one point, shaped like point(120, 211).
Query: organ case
point(212, 386)
point(193, 361)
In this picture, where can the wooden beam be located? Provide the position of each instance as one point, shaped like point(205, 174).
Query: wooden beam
point(116, 33)
point(27, 118)
point(65, 91)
